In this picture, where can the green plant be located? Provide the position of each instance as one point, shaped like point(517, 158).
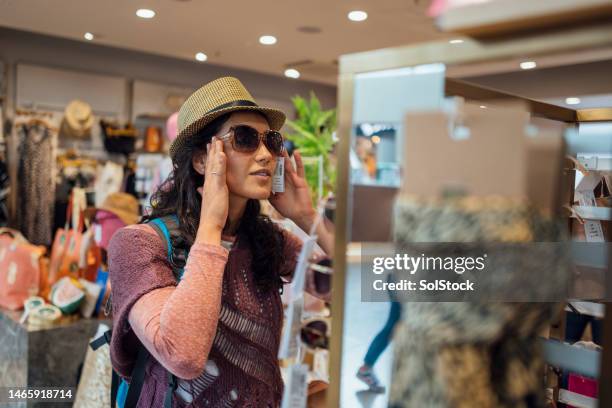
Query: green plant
point(313, 129)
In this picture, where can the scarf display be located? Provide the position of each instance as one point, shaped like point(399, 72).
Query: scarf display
point(36, 187)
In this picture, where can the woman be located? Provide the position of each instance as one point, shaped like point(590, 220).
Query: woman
point(218, 328)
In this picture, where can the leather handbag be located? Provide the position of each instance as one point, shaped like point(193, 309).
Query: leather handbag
point(21, 269)
point(153, 140)
point(117, 139)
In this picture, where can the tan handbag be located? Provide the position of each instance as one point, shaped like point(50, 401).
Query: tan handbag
point(95, 384)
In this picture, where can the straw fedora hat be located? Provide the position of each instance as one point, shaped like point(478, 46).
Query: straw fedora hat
point(123, 205)
point(78, 119)
point(214, 99)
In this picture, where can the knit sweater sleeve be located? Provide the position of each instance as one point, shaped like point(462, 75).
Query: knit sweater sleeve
point(175, 322)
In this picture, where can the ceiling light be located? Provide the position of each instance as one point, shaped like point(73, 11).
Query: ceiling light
point(357, 15)
point(528, 64)
point(456, 41)
point(483, 107)
point(88, 36)
point(292, 73)
point(267, 39)
point(375, 139)
point(145, 13)
point(200, 56)
point(572, 101)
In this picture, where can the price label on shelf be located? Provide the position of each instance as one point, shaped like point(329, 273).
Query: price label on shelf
point(293, 316)
point(290, 341)
point(296, 388)
point(592, 228)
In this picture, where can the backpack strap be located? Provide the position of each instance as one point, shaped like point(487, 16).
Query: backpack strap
point(167, 227)
point(138, 376)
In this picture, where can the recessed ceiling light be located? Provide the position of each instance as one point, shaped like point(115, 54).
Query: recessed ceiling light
point(572, 101)
point(357, 15)
point(456, 41)
point(528, 65)
point(267, 39)
point(292, 73)
point(88, 36)
point(145, 13)
point(483, 107)
point(200, 56)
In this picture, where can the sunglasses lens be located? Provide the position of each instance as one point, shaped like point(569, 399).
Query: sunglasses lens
point(246, 139)
point(274, 142)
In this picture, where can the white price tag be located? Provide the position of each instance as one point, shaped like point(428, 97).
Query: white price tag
point(290, 342)
point(593, 231)
point(299, 276)
point(296, 388)
point(97, 234)
point(293, 319)
point(278, 179)
point(592, 228)
point(589, 182)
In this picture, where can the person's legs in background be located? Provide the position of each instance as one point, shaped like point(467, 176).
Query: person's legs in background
point(378, 345)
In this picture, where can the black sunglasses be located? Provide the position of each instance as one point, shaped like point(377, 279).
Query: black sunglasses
point(246, 139)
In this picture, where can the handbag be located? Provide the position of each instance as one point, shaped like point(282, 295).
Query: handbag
point(153, 140)
point(95, 383)
point(90, 257)
point(117, 140)
point(21, 269)
point(65, 251)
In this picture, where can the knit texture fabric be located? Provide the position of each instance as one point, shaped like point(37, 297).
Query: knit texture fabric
point(217, 295)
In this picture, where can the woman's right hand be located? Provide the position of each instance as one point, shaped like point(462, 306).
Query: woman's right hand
point(215, 195)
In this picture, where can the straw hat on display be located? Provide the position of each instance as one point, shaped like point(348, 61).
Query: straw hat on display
point(123, 205)
point(214, 99)
point(78, 119)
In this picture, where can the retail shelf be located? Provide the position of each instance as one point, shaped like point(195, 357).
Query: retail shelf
point(576, 400)
point(483, 93)
point(590, 254)
point(572, 358)
point(595, 163)
point(594, 115)
point(593, 213)
point(587, 308)
point(503, 17)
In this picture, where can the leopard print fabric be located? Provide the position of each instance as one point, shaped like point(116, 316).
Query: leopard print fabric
point(474, 354)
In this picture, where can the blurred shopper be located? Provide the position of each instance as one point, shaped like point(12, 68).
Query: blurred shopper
point(378, 345)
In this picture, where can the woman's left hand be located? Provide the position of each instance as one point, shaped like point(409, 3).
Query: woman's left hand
point(296, 202)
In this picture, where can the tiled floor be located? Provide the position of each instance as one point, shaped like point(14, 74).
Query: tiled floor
point(362, 322)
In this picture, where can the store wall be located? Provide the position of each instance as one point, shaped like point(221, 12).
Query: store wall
point(24, 47)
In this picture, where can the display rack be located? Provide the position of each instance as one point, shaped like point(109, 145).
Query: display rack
point(575, 39)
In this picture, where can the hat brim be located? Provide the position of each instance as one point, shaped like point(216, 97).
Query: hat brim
point(127, 217)
point(275, 117)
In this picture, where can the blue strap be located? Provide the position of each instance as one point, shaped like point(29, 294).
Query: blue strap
point(122, 393)
point(164, 229)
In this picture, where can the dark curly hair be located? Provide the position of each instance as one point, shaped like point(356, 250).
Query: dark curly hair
point(178, 195)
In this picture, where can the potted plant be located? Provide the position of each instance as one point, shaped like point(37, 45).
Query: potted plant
point(313, 131)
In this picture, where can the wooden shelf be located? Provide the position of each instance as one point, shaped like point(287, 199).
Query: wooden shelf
point(482, 93)
point(503, 17)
